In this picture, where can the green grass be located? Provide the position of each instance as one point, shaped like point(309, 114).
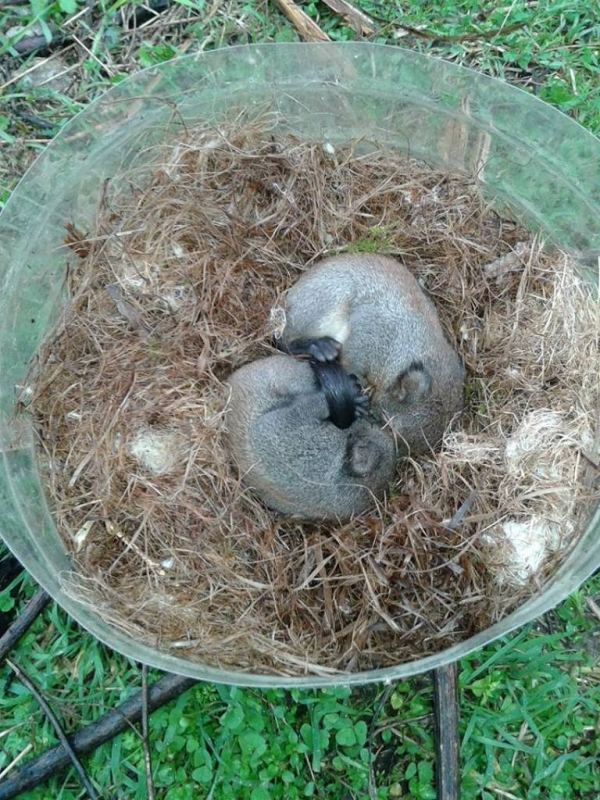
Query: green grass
point(555, 52)
point(529, 722)
point(530, 703)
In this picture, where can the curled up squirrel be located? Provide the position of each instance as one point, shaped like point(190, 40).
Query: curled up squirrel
point(369, 311)
point(289, 450)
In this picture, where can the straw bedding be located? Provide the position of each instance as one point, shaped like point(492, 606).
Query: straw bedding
point(175, 289)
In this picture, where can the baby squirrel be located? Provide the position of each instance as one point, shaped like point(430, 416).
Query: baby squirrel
point(289, 451)
point(369, 311)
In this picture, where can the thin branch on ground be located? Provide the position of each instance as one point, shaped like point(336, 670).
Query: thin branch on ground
point(23, 622)
point(356, 18)
point(145, 735)
point(62, 737)
point(446, 710)
point(383, 698)
point(306, 27)
point(129, 713)
point(39, 43)
point(424, 33)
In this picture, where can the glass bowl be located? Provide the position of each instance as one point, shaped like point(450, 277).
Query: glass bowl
point(522, 150)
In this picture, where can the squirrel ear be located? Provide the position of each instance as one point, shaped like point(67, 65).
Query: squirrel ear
point(412, 385)
point(363, 457)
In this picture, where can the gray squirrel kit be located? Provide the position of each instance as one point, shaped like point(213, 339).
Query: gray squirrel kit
point(298, 430)
point(286, 447)
point(389, 336)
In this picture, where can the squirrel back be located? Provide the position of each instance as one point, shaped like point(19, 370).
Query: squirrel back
point(289, 451)
point(391, 338)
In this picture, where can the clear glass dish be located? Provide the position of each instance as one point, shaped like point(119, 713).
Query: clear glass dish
point(523, 151)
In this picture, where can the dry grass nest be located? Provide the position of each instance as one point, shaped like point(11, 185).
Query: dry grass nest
point(173, 291)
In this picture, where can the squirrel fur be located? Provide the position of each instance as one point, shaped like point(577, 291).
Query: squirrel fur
point(388, 335)
point(288, 450)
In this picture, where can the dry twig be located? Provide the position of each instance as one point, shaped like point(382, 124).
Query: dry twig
point(66, 745)
point(356, 18)
point(306, 27)
point(447, 738)
point(23, 622)
point(146, 735)
point(39, 769)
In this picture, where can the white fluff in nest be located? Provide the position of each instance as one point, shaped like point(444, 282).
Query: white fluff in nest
point(158, 451)
point(461, 448)
point(277, 321)
point(519, 548)
point(537, 471)
point(138, 274)
point(545, 444)
point(534, 439)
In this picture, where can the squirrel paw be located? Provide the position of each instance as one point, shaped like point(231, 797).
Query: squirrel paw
point(324, 349)
point(361, 400)
point(361, 405)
